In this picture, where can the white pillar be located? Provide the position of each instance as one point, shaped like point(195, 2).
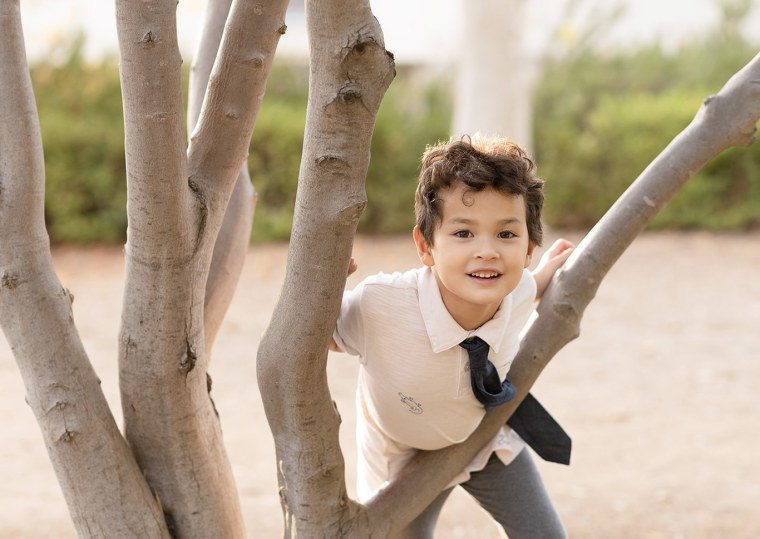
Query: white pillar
point(494, 75)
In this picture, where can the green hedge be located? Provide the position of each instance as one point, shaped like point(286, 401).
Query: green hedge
point(412, 115)
point(599, 120)
point(83, 136)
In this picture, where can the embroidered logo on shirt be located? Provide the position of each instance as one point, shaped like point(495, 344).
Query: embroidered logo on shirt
point(414, 406)
point(502, 440)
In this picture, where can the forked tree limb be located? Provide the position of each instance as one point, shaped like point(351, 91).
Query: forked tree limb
point(177, 198)
point(235, 90)
point(169, 420)
point(234, 235)
point(725, 120)
point(350, 71)
point(231, 104)
point(105, 491)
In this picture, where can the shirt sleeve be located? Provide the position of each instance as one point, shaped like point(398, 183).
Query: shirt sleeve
point(349, 330)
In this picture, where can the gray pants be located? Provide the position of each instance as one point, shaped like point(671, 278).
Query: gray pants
point(513, 495)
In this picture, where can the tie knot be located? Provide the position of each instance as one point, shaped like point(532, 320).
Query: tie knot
point(474, 344)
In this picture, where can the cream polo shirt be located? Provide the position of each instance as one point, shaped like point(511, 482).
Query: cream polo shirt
point(414, 387)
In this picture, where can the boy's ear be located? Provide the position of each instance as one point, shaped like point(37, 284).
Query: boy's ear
point(423, 248)
point(529, 255)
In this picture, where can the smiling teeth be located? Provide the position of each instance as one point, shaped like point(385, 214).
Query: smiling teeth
point(485, 275)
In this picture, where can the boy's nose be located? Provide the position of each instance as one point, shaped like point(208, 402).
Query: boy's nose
point(486, 250)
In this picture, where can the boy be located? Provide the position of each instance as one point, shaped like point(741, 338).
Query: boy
point(478, 207)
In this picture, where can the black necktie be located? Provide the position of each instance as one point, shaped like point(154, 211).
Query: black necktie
point(530, 420)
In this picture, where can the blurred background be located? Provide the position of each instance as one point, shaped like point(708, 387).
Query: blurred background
point(595, 89)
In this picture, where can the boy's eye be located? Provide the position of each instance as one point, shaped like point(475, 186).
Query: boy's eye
point(463, 234)
point(506, 234)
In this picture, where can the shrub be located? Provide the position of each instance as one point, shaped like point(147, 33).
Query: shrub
point(412, 115)
point(83, 137)
point(600, 119)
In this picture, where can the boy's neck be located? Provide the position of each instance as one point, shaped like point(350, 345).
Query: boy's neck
point(474, 319)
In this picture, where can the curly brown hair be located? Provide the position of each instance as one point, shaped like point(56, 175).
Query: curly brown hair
point(479, 163)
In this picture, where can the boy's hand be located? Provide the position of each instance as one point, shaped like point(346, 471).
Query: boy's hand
point(550, 262)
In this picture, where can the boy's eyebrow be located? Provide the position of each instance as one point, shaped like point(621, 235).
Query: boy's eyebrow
point(466, 221)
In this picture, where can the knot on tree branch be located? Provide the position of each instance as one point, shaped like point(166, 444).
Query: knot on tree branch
point(363, 39)
point(203, 211)
point(188, 359)
point(9, 280)
point(350, 214)
point(334, 165)
point(67, 435)
point(68, 295)
point(58, 406)
point(570, 315)
point(149, 38)
point(255, 61)
point(366, 62)
point(350, 92)
point(361, 45)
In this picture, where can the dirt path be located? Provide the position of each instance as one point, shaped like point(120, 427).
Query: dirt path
point(660, 394)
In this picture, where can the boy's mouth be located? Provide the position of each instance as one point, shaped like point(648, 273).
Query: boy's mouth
point(484, 274)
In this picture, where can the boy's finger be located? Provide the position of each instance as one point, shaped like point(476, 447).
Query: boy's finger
point(352, 266)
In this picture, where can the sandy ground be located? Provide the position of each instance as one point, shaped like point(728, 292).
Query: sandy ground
point(661, 394)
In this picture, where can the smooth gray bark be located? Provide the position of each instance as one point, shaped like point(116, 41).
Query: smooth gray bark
point(105, 490)
point(234, 236)
point(177, 199)
point(349, 73)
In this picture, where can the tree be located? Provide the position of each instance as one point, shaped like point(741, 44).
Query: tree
point(189, 208)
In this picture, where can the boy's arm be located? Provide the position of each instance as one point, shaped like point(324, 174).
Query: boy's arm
point(550, 262)
point(352, 265)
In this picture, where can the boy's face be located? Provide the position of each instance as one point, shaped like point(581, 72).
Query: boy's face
point(479, 252)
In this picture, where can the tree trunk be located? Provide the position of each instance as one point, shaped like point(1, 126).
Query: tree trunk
point(105, 491)
point(176, 203)
point(349, 73)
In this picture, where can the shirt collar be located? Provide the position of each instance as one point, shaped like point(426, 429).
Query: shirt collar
point(443, 331)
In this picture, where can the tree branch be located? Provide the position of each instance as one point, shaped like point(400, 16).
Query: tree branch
point(214, 20)
point(160, 204)
point(350, 71)
point(235, 90)
point(169, 419)
point(234, 236)
point(230, 250)
point(726, 119)
point(105, 490)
